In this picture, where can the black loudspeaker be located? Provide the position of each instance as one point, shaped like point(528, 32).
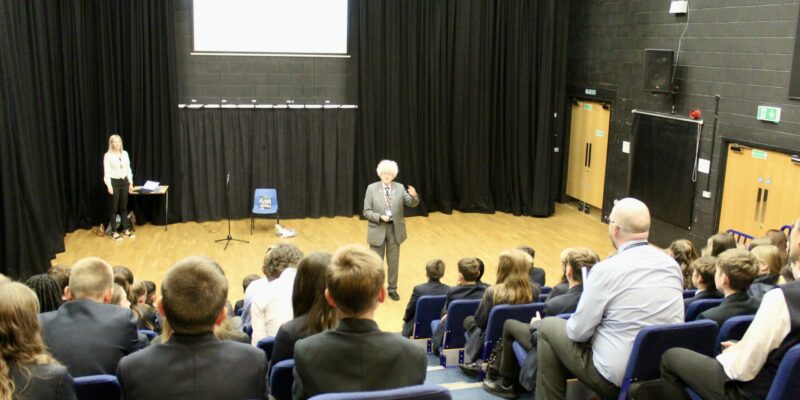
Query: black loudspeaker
point(658, 70)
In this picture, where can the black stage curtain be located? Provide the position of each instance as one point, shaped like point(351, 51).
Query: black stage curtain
point(462, 94)
point(72, 73)
point(306, 154)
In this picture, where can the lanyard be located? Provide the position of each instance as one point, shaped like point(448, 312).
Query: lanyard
point(633, 245)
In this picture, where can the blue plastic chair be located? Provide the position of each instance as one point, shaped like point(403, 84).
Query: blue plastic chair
point(98, 387)
point(786, 385)
point(733, 329)
point(740, 237)
point(457, 311)
point(519, 353)
point(429, 308)
point(498, 317)
point(281, 380)
point(652, 341)
point(265, 202)
point(419, 392)
point(248, 329)
point(266, 344)
point(787, 230)
point(689, 293)
point(698, 306)
point(546, 290)
point(543, 297)
point(149, 333)
point(564, 315)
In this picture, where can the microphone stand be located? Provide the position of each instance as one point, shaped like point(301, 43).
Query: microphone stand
point(228, 239)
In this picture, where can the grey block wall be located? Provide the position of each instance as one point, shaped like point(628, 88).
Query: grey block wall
point(739, 49)
point(269, 80)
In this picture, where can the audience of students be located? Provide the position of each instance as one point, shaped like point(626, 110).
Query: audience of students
point(47, 290)
point(704, 271)
point(312, 313)
point(187, 366)
point(513, 286)
point(277, 258)
point(469, 287)
point(684, 252)
point(736, 269)
point(356, 355)
point(27, 370)
point(434, 271)
point(272, 307)
point(87, 334)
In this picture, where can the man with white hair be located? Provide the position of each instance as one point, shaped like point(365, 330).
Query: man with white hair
point(383, 207)
point(638, 286)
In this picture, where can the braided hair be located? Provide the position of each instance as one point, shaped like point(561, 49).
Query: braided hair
point(47, 290)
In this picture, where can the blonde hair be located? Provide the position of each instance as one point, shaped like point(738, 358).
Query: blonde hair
point(740, 266)
point(354, 279)
point(90, 277)
point(112, 137)
point(21, 341)
point(770, 255)
point(513, 283)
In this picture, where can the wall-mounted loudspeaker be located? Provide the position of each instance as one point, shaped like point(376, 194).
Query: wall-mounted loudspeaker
point(658, 70)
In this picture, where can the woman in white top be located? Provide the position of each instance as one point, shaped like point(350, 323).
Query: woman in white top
point(118, 178)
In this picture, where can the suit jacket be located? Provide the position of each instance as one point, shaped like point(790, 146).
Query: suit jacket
point(566, 303)
point(558, 290)
point(464, 292)
point(88, 337)
point(537, 275)
point(356, 356)
point(705, 294)
point(430, 288)
point(288, 334)
point(375, 206)
point(193, 368)
point(43, 382)
point(736, 304)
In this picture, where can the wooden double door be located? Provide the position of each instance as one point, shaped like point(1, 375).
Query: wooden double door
point(588, 144)
point(762, 190)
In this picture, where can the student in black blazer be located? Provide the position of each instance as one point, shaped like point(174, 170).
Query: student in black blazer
point(87, 334)
point(34, 373)
point(356, 356)
point(312, 313)
point(469, 288)
point(434, 270)
point(190, 364)
point(703, 270)
point(736, 269)
point(537, 275)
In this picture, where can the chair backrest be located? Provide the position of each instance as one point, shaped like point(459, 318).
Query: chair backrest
point(787, 230)
point(97, 387)
point(786, 384)
point(698, 306)
point(457, 310)
point(281, 380)
point(266, 344)
point(564, 315)
point(546, 290)
point(149, 333)
point(265, 201)
point(733, 329)
point(740, 237)
point(652, 341)
point(429, 308)
point(248, 329)
point(418, 392)
point(543, 297)
point(498, 317)
point(689, 293)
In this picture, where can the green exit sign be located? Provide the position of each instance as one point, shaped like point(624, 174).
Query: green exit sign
point(769, 114)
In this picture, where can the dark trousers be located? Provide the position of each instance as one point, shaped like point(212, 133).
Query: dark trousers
point(561, 359)
point(513, 330)
point(119, 204)
point(391, 250)
point(705, 375)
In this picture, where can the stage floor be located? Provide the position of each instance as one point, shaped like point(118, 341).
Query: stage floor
point(449, 237)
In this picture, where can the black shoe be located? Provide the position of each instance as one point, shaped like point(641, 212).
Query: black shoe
point(394, 296)
point(497, 388)
point(470, 369)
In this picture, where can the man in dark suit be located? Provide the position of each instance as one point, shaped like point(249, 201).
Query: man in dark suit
point(189, 365)
point(703, 271)
point(356, 356)
point(87, 334)
point(469, 288)
point(736, 269)
point(384, 208)
point(574, 260)
point(434, 270)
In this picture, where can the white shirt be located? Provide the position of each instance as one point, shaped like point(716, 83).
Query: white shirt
point(744, 360)
point(253, 288)
point(638, 287)
point(116, 166)
point(273, 307)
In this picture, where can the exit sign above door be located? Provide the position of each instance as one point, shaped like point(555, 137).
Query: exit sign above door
point(769, 114)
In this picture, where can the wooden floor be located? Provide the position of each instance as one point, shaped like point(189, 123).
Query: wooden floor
point(448, 237)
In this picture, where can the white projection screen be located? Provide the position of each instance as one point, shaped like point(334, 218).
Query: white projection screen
point(290, 27)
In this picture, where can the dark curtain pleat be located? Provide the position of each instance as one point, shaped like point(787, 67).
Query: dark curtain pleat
point(74, 72)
